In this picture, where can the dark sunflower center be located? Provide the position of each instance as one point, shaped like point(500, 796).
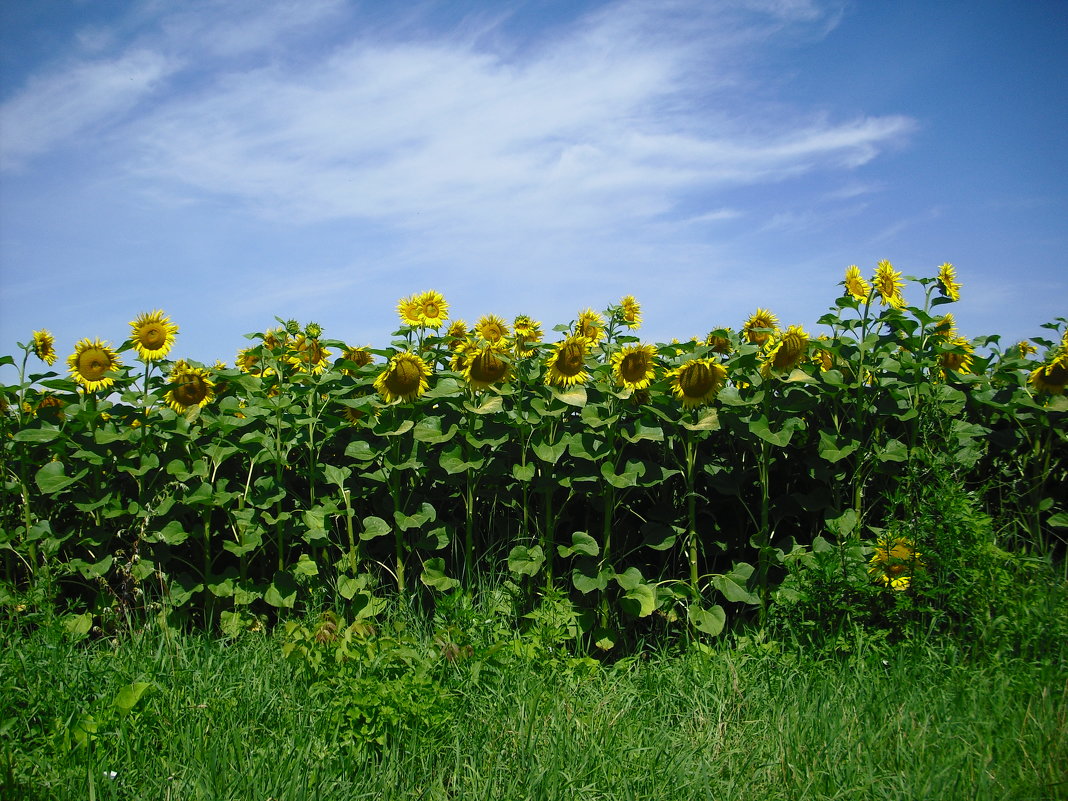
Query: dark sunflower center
point(1057, 373)
point(633, 367)
point(696, 381)
point(571, 360)
point(487, 368)
point(93, 364)
point(403, 379)
point(191, 389)
point(153, 336)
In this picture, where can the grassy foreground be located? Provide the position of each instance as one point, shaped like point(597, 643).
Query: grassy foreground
point(169, 716)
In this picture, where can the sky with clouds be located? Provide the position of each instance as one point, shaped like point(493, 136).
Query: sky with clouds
point(229, 161)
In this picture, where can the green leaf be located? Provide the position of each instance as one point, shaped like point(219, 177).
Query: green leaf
point(361, 451)
point(1059, 520)
point(844, 524)
point(526, 561)
point(434, 575)
point(574, 396)
point(893, 451)
point(374, 527)
point(639, 601)
point(51, 479)
point(549, 451)
point(832, 450)
point(36, 435)
point(305, 566)
point(129, 695)
point(433, 540)
point(709, 422)
point(523, 472)
point(581, 543)
point(629, 578)
point(710, 621)
point(336, 475)
point(632, 471)
point(588, 576)
point(798, 375)
point(659, 536)
point(761, 428)
point(426, 514)
point(282, 592)
point(733, 584)
point(489, 405)
point(77, 626)
point(172, 533)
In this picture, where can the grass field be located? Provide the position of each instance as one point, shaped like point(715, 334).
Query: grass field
point(410, 714)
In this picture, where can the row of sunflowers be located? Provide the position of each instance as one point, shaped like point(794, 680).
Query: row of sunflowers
point(642, 478)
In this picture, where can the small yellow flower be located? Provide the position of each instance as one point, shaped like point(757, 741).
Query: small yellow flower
point(527, 335)
point(718, 343)
point(410, 311)
point(895, 562)
point(361, 357)
point(632, 312)
point(945, 328)
point(44, 346)
point(307, 355)
point(785, 351)
point(1025, 348)
point(961, 362)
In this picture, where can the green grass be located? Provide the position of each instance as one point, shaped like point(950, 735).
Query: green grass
point(747, 718)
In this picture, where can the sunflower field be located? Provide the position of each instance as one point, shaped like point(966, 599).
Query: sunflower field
point(650, 484)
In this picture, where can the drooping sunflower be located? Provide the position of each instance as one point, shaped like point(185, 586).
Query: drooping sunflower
point(152, 334)
point(697, 381)
point(634, 366)
point(760, 326)
point(527, 335)
point(404, 379)
point(895, 562)
point(855, 285)
point(361, 357)
point(274, 338)
point(189, 386)
point(491, 328)
point(888, 284)
point(719, 343)
point(947, 282)
point(632, 312)
point(249, 361)
point(91, 362)
point(821, 356)
point(961, 362)
point(44, 346)
point(566, 365)
point(1051, 378)
point(486, 366)
point(50, 407)
point(786, 351)
point(457, 332)
point(308, 355)
point(590, 326)
point(433, 310)
point(461, 351)
point(1025, 348)
point(410, 311)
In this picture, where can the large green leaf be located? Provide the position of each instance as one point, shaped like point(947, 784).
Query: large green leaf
point(52, 480)
point(526, 561)
point(833, 450)
point(282, 591)
point(581, 543)
point(639, 601)
point(710, 621)
point(374, 527)
point(733, 584)
point(128, 696)
point(36, 435)
point(434, 575)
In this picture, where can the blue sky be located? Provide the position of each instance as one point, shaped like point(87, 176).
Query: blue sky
point(233, 160)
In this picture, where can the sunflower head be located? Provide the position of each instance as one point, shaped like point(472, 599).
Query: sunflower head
point(1025, 348)
point(249, 360)
point(485, 367)
point(787, 350)
point(961, 362)
point(821, 356)
point(456, 333)
point(189, 386)
point(527, 335)
point(274, 338)
point(631, 312)
point(410, 312)
point(697, 381)
point(566, 365)
point(947, 282)
point(945, 328)
point(361, 357)
point(432, 310)
point(888, 283)
point(590, 326)
point(404, 379)
point(634, 366)
point(491, 329)
point(760, 327)
point(1051, 378)
point(895, 562)
point(461, 352)
point(855, 285)
point(91, 362)
point(44, 346)
point(308, 355)
point(719, 343)
point(153, 335)
point(50, 407)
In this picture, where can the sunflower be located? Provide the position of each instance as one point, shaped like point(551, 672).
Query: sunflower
point(590, 325)
point(249, 361)
point(190, 386)
point(1025, 348)
point(461, 351)
point(855, 285)
point(718, 343)
point(491, 328)
point(632, 312)
point(786, 351)
point(760, 326)
point(361, 357)
point(1051, 378)
point(308, 355)
point(91, 362)
point(152, 334)
point(274, 338)
point(697, 381)
point(634, 366)
point(947, 282)
point(456, 333)
point(821, 356)
point(945, 328)
point(433, 310)
point(566, 365)
point(961, 362)
point(895, 562)
point(44, 346)
point(404, 379)
point(410, 311)
point(50, 406)
point(888, 284)
point(527, 335)
point(485, 367)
